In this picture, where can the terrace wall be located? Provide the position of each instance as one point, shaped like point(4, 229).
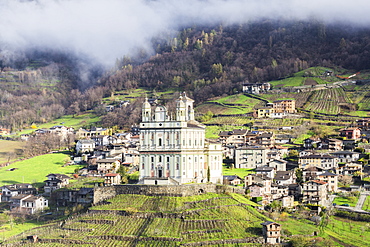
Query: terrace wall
point(103, 193)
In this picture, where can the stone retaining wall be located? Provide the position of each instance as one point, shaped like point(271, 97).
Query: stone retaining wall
point(103, 193)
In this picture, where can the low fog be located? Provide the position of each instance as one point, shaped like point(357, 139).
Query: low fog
point(109, 29)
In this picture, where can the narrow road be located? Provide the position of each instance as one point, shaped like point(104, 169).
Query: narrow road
point(361, 200)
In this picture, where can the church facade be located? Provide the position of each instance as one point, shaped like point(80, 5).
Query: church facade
point(173, 149)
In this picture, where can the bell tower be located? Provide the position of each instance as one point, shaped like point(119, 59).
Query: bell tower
point(146, 111)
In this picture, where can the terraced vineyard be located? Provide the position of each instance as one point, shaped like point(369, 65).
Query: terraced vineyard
point(327, 101)
point(138, 220)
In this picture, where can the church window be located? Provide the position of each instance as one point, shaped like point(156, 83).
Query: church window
point(160, 158)
point(160, 142)
point(177, 166)
point(152, 159)
point(142, 166)
point(152, 167)
point(168, 166)
point(168, 159)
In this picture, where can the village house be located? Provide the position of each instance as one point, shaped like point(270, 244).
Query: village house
point(286, 201)
point(278, 165)
point(331, 179)
point(323, 161)
point(284, 106)
point(315, 192)
point(279, 191)
point(346, 156)
point(85, 146)
point(363, 124)
point(107, 165)
point(250, 157)
point(350, 133)
point(8, 191)
point(284, 177)
point(256, 88)
point(236, 137)
point(332, 144)
point(271, 232)
point(4, 131)
point(232, 180)
point(27, 204)
point(55, 182)
point(312, 142)
point(311, 173)
point(265, 139)
point(102, 140)
point(112, 179)
point(96, 131)
point(68, 197)
point(283, 139)
point(265, 170)
point(349, 168)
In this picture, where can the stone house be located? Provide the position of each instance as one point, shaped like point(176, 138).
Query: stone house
point(271, 232)
point(55, 182)
point(27, 204)
point(315, 192)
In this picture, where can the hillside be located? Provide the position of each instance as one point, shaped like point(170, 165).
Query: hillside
point(205, 61)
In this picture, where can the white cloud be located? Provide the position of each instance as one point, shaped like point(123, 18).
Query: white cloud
point(107, 29)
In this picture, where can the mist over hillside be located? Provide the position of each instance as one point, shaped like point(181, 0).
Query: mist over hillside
point(105, 30)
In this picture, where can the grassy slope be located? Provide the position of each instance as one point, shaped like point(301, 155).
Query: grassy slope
point(34, 170)
point(68, 120)
point(9, 147)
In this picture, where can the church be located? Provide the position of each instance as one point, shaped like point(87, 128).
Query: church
point(173, 149)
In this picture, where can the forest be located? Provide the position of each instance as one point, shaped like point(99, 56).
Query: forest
point(204, 61)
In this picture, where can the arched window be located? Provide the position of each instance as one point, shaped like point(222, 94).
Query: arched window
point(160, 142)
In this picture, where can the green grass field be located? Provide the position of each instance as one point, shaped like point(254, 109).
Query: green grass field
point(34, 170)
point(241, 172)
point(344, 200)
